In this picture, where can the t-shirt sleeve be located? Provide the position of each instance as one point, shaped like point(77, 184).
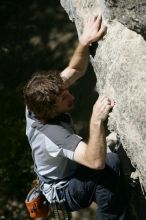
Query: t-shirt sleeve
point(64, 139)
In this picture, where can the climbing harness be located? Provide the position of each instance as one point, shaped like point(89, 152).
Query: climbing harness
point(38, 206)
point(60, 207)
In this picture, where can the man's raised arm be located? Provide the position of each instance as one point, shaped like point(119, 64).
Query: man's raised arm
point(93, 154)
point(93, 31)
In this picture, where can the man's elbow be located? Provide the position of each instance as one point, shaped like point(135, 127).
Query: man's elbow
point(99, 165)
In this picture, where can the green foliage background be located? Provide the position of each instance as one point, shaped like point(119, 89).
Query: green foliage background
point(33, 36)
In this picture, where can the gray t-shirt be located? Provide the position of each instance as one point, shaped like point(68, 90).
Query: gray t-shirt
point(53, 146)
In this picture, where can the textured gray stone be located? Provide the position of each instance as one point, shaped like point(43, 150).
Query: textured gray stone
point(120, 67)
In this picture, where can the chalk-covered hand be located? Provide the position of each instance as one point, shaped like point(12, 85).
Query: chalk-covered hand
point(94, 30)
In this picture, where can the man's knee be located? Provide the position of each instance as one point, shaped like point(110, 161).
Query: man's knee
point(79, 193)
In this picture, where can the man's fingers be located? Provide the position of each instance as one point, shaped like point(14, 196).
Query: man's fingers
point(103, 106)
point(94, 20)
point(97, 17)
point(112, 102)
point(102, 98)
point(101, 32)
point(104, 101)
point(107, 109)
point(94, 30)
point(98, 21)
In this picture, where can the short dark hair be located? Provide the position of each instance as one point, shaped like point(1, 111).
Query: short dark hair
point(40, 94)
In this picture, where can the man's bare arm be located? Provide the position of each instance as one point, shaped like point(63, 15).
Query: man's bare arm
point(93, 154)
point(77, 65)
point(94, 30)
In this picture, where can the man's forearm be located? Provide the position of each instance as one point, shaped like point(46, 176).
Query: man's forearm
point(93, 31)
point(80, 58)
point(93, 154)
point(77, 65)
point(97, 140)
point(96, 150)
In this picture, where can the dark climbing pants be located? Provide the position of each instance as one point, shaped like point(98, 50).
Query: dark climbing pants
point(101, 186)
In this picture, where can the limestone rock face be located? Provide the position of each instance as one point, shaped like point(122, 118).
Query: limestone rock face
point(120, 67)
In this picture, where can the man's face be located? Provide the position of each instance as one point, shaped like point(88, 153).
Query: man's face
point(65, 101)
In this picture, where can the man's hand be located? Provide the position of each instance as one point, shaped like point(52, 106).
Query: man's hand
point(94, 30)
point(101, 108)
point(93, 154)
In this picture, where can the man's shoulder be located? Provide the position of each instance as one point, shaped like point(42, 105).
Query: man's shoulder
point(55, 129)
